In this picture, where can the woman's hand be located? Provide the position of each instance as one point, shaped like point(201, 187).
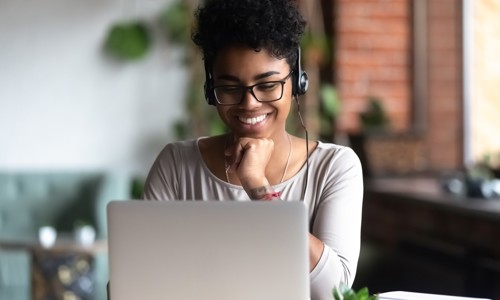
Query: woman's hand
point(248, 159)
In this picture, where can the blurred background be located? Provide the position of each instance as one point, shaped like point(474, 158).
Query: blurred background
point(91, 91)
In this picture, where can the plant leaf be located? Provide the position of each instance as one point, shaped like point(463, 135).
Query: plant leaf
point(128, 41)
point(330, 101)
point(336, 294)
point(363, 294)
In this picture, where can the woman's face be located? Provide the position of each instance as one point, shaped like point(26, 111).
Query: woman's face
point(243, 66)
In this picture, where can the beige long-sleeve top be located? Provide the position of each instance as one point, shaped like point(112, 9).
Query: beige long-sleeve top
point(334, 196)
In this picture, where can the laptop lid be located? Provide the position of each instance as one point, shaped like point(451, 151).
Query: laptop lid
point(192, 250)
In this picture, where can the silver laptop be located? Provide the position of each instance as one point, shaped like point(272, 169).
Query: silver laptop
point(192, 250)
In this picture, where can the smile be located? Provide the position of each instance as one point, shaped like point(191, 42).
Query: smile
point(252, 121)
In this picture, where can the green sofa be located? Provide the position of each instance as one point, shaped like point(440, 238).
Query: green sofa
point(29, 200)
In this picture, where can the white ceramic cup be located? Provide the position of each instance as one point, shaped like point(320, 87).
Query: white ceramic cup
point(47, 236)
point(85, 235)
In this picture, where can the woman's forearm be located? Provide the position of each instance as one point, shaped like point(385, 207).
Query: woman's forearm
point(316, 248)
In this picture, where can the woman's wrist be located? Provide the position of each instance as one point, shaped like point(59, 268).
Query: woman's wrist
point(265, 192)
point(260, 190)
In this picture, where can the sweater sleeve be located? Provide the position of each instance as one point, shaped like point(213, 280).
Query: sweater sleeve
point(162, 181)
point(337, 224)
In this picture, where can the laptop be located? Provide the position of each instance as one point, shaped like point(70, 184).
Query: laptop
point(192, 250)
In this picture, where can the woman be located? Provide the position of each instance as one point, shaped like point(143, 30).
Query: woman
point(252, 62)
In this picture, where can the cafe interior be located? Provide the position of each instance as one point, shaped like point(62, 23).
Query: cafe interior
point(91, 91)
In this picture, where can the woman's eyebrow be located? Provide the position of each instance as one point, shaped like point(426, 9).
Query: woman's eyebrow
point(264, 75)
point(256, 77)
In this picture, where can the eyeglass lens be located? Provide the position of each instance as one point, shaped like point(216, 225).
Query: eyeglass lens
point(263, 92)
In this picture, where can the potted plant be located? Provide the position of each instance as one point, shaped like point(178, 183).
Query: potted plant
point(492, 162)
point(374, 120)
point(343, 292)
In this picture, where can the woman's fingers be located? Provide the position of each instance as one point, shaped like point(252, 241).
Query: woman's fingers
point(233, 156)
point(249, 156)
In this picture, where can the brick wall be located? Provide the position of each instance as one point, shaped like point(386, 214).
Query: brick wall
point(373, 58)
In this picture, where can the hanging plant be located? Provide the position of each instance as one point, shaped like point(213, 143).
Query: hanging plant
point(175, 22)
point(329, 111)
point(128, 41)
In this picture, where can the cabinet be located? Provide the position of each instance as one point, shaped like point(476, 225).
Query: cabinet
point(434, 237)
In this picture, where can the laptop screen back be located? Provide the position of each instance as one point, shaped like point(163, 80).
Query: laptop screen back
point(192, 250)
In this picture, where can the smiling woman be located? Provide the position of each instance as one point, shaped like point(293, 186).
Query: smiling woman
point(252, 66)
point(257, 110)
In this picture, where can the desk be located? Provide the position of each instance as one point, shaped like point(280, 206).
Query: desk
point(416, 215)
point(63, 271)
point(402, 295)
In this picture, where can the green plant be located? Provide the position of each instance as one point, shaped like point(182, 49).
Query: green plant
point(80, 223)
point(343, 292)
point(137, 187)
point(128, 41)
point(174, 20)
point(491, 160)
point(329, 111)
point(317, 46)
point(479, 172)
point(375, 117)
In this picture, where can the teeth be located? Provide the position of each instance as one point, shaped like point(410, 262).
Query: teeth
point(252, 121)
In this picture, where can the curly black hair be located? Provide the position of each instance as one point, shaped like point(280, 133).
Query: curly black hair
point(273, 25)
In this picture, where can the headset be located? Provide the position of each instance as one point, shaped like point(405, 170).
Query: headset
point(300, 81)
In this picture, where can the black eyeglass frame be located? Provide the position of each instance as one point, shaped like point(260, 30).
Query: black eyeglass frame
point(250, 88)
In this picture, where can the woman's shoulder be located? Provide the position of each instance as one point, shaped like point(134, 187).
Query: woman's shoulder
point(324, 150)
point(179, 148)
point(191, 148)
point(335, 158)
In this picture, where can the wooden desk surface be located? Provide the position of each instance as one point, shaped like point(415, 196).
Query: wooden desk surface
point(61, 245)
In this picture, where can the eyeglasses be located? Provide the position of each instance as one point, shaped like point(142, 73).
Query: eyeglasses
point(268, 91)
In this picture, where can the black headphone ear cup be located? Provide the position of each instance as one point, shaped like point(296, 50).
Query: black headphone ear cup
point(303, 83)
point(301, 80)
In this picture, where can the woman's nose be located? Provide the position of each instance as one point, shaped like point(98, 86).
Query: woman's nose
point(248, 99)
